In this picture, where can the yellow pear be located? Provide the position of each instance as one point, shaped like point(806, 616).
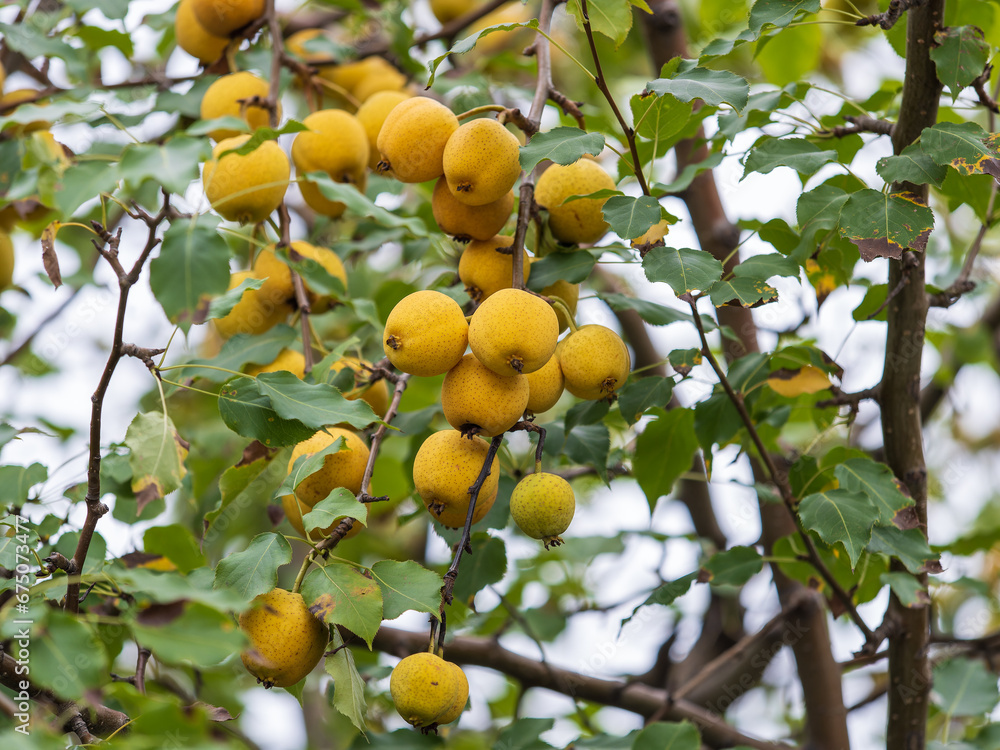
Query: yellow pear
point(286, 639)
point(423, 686)
point(247, 188)
point(254, 313)
point(194, 38)
point(485, 270)
point(595, 362)
point(513, 332)
point(413, 138)
point(6, 260)
point(580, 221)
point(376, 82)
point(376, 394)
point(345, 468)
point(223, 17)
point(476, 400)
point(372, 113)
point(448, 10)
point(425, 334)
point(227, 96)
point(465, 222)
point(331, 263)
point(481, 162)
point(288, 360)
point(545, 386)
point(461, 697)
point(542, 506)
point(445, 467)
point(568, 293)
point(336, 143)
point(276, 274)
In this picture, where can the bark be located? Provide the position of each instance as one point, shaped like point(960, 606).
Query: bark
point(909, 668)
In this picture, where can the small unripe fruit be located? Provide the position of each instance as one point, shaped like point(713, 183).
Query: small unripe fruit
point(227, 95)
point(513, 332)
point(413, 138)
point(481, 162)
point(247, 188)
point(477, 400)
point(595, 362)
point(579, 221)
point(425, 334)
point(286, 639)
point(424, 687)
point(485, 270)
point(445, 467)
point(542, 506)
point(464, 222)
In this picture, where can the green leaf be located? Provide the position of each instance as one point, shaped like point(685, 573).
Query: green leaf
point(307, 465)
point(173, 165)
point(313, 405)
point(262, 135)
point(663, 452)
point(176, 543)
point(82, 183)
point(792, 55)
point(222, 305)
point(964, 687)
point(95, 38)
point(734, 567)
point(741, 291)
point(406, 586)
point(884, 225)
point(766, 266)
point(361, 206)
point(248, 412)
point(630, 217)
point(156, 456)
point(840, 516)
point(909, 547)
point(468, 43)
point(523, 734)
point(171, 587)
point(769, 13)
point(573, 267)
point(684, 360)
point(243, 349)
point(586, 412)
point(588, 445)
point(659, 118)
point(877, 482)
point(642, 394)
point(683, 181)
point(191, 268)
point(112, 9)
point(339, 504)
point(241, 487)
point(348, 685)
point(31, 40)
point(188, 633)
point(965, 146)
point(913, 165)
point(651, 312)
point(817, 210)
point(485, 566)
point(801, 155)
point(229, 122)
point(668, 736)
point(340, 594)
point(714, 87)
point(254, 570)
point(561, 145)
point(17, 481)
point(65, 655)
point(908, 589)
point(665, 594)
point(960, 54)
point(684, 269)
point(612, 18)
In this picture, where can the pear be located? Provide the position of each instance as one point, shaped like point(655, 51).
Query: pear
point(227, 96)
point(372, 113)
point(465, 222)
point(254, 313)
point(425, 334)
point(286, 639)
point(545, 386)
point(413, 138)
point(481, 162)
point(194, 38)
point(579, 221)
point(445, 467)
point(424, 687)
point(345, 468)
point(513, 332)
point(485, 269)
point(477, 401)
point(542, 506)
point(595, 362)
point(6, 260)
point(246, 188)
point(223, 17)
point(336, 143)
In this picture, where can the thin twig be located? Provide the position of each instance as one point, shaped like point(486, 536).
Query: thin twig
point(850, 399)
point(888, 19)
point(861, 124)
point(979, 85)
point(962, 283)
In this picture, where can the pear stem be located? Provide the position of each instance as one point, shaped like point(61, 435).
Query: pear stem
point(560, 304)
point(482, 111)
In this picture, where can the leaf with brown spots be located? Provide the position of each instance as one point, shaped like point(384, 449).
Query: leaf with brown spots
point(884, 225)
point(340, 594)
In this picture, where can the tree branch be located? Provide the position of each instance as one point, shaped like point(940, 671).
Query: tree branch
point(888, 19)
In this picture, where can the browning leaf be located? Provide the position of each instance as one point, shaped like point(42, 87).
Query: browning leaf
point(49, 258)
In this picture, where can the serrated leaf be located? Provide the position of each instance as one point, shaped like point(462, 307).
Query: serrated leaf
point(684, 360)
point(630, 217)
point(58, 641)
point(960, 54)
point(174, 165)
point(663, 451)
point(612, 18)
point(262, 135)
point(642, 394)
point(573, 267)
point(817, 210)
point(714, 87)
point(156, 456)
point(468, 43)
point(188, 633)
point(340, 594)
point(964, 146)
point(191, 269)
point(313, 405)
point(913, 165)
point(801, 155)
point(877, 482)
point(884, 225)
point(742, 291)
point(348, 685)
point(908, 589)
point(659, 117)
point(339, 504)
point(839, 516)
point(684, 269)
point(733, 567)
point(82, 183)
point(308, 464)
point(766, 266)
point(247, 412)
point(964, 687)
point(768, 13)
point(406, 586)
point(223, 304)
point(254, 570)
point(909, 547)
point(561, 145)
point(244, 485)
point(683, 181)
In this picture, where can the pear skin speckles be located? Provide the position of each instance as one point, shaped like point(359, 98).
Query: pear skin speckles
point(426, 334)
point(514, 332)
point(445, 467)
point(595, 362)
point(543, 506)
point(478, 401)
point(286, 639)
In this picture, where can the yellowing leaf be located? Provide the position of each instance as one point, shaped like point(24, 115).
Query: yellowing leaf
point(792, 383)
